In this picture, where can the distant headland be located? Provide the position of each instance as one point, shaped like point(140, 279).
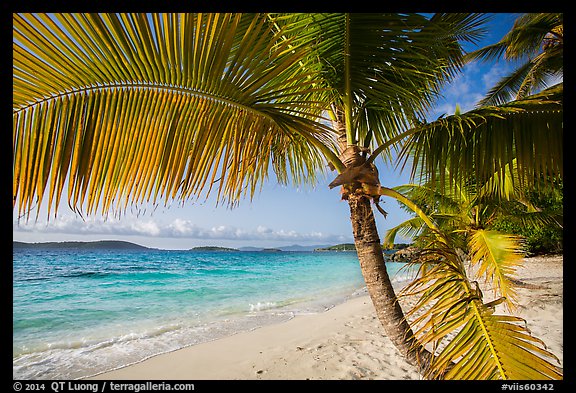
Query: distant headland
point(95, 245)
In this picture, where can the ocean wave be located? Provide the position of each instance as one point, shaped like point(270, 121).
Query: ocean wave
point(262, 306)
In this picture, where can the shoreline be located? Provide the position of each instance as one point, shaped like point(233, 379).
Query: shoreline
point(288, 350)
point(343, 342)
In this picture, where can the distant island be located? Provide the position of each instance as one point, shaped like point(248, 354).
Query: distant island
point(214, 248)
point(352, 247)
point(338, 247)
point(96, 245)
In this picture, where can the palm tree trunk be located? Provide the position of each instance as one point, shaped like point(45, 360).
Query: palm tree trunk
point(371, 257)
point(378, 282)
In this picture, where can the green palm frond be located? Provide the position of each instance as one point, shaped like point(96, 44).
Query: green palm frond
point(502, 184)
point(485, 141)
point(389, 66)
point(121, 108)
point(410, 228)
point(527, 78)
point(469, 339)
point(524, 39)
point(537, 40)
point(528, 33)
point(507, 87)
point(533, 217)
point(442, 207)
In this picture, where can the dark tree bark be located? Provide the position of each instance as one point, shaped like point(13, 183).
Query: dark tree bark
point(378, 282)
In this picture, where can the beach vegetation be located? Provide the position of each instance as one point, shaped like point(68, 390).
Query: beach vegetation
point(539, 237)
point(115, 110)
point(535, 215)
point(464, 247)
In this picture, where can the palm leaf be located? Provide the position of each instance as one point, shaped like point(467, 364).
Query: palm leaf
point(487, 140)
point(135, 108)
point(408, 229)
point(507, 88)
point(528, 33)
point(526, 41)
point(496, 256)
point(386, 68)
point(441, 207)
point(469, 340)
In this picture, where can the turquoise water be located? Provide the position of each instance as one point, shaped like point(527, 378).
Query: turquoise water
point(80, 313)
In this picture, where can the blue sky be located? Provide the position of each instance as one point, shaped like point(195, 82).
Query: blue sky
point(279, 215)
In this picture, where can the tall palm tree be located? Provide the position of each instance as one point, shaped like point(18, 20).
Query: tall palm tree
point(123, 109)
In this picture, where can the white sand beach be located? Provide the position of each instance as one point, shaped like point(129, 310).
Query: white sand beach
point(345, 342)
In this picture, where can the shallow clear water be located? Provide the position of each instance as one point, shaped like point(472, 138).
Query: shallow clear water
point(80, 313)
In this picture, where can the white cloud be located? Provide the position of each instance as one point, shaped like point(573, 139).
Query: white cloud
point(469, 87)
point(148, 228)
point(176, 229)
point(495, 74)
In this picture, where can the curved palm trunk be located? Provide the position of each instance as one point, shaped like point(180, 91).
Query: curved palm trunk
point(378, 282)
point(371, 257)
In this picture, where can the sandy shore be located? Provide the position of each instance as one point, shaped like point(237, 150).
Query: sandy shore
point(345, 342)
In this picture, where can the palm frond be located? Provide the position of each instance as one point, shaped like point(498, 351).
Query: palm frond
point(524, 39)
point(507, 88)
point(138, 107)
point(410, 228)
point(528, 33)
point(502, 185)
point(537, 40)
point(485, 141)
point(542, 67)
point(496, 256)
point(468, 339)
point(396, 62)
point(488, 53)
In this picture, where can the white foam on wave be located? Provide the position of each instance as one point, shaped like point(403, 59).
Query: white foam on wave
point(82, 357)
point(262, 306)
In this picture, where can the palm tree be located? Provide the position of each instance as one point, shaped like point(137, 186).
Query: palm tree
point(505, 146)
point(127, 109)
